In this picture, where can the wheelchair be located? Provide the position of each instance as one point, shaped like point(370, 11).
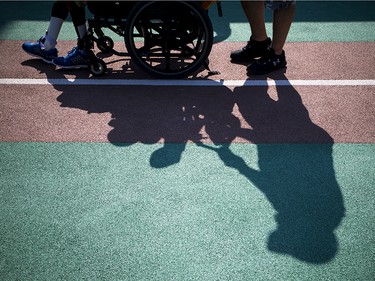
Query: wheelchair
point(166, 39)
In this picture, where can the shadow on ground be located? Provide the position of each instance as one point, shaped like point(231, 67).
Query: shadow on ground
point(299, 180)
point(296, 171)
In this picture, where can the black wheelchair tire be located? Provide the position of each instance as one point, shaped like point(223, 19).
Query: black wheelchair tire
point(97, 67)
point(204, 39)
point(105, 44)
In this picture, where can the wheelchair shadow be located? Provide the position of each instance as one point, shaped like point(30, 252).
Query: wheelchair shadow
point(298, 180)
point(117, 68)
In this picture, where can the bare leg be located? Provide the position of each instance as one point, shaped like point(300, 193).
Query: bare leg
point(282, 20)
point(254, 11)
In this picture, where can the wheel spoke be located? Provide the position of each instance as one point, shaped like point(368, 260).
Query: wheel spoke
point(169, 39)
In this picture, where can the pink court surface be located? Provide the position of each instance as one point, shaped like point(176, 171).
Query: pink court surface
point(336, 88)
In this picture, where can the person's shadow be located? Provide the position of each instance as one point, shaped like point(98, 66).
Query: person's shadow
point(296, 171)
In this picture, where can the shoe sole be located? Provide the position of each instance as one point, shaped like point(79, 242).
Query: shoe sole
point(39, 57)
point(71, 67)
point(265, 72)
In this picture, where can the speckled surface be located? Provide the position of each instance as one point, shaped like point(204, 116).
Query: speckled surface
point(192, 183)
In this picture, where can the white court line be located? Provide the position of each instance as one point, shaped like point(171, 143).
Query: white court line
point(184, 82)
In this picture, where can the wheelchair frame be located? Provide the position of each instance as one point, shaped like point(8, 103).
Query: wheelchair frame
point(166, 39)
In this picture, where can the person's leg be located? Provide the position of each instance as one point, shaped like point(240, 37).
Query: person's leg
point(45, 47)
point(78, 14)
point(282, 20)
point(79, 56)
point(274, 59)
point(59, 14)
point(259, 41)
point(254, 11)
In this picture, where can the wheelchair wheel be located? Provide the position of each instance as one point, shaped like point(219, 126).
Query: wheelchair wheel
point(105, 44)
point(97, 67)
point(169, 39)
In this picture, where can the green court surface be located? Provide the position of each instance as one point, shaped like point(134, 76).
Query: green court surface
point(79, 211)
point(190, 211)
point(337, 21)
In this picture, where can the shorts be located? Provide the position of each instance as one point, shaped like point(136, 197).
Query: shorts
point(275, 5)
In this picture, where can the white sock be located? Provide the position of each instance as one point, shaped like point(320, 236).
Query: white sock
point(53, 32)
point(82, 30)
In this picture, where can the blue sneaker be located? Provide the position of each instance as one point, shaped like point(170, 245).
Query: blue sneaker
point(76, 58)
point(37, 50)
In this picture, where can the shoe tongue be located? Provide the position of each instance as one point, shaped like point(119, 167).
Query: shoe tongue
point(41, 43)
point(268, 55)
point(46, 43)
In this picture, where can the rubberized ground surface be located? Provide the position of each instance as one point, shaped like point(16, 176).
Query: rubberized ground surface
point(226, 177)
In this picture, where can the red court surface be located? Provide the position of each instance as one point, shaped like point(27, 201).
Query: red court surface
point(345, 112)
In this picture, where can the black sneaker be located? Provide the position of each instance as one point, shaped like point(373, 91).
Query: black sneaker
point(253, 49)
point(267, 63)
